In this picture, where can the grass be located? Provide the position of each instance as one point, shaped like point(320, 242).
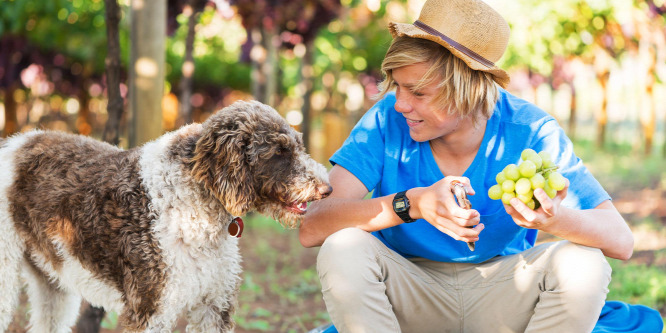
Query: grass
point(281, 290)
point(620, 167)
point(639, 283)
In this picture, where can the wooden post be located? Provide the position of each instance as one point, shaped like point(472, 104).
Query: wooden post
point(147, 58)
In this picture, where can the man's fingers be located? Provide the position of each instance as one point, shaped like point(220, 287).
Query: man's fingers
point(545, 201)
point(528, 214)
point(468, 234)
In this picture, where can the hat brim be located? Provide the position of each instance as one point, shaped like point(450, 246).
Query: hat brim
point(406, 29)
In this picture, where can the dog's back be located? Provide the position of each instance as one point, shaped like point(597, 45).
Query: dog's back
point(77, 209)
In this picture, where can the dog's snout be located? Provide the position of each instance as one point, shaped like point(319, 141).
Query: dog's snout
point(324, 190)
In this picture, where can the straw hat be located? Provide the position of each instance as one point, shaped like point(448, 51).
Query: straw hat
point(470, 29)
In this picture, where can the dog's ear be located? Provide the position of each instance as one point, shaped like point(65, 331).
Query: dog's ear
point(220, 162)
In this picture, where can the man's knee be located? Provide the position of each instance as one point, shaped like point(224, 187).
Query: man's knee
point(345, 242)
point(581, 268)
point(349, 249)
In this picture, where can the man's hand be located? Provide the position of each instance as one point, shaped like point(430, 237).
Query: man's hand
point(541, 218)
point(437, 205)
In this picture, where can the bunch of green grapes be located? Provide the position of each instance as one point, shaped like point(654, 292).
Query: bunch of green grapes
point(519, 181)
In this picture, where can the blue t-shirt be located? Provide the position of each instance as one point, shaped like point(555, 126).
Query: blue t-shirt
point(380, 153)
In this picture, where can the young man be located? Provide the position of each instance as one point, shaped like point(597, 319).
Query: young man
point(399, 261)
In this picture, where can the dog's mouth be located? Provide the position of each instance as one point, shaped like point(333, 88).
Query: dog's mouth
point(299, 208)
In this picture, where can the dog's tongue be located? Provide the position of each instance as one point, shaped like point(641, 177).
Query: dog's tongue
point(301, 206)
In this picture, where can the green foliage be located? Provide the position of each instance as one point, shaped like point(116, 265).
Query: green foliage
point(75, 28)
point(540, 32)
point(216, 52)
point(639, 284)
point(617, 169)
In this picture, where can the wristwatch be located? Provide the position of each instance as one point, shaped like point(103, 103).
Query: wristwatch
point(401, 207)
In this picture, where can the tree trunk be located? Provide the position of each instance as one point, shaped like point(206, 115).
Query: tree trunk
point(11, 120)
point(115, 104)
point(649, 124)
point(307, 73)
point(649, 120)
point(188, 67)
point(602, 117)
point(92, 317)
point(148, 40)
point(258, 57)
point(271, 66)
point(83, 125)
point(265, 61)
point(572, 113)
point(663, 149)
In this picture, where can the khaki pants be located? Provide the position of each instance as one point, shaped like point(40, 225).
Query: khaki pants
point(553, 287)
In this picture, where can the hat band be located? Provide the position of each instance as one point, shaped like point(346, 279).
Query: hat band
point(454, 44)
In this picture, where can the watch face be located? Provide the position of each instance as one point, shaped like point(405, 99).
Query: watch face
point(399, 205)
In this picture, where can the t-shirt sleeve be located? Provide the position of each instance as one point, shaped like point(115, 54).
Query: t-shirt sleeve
point(362, 153)
point(584, 192)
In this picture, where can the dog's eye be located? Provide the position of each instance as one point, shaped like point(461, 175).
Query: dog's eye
point(282, 151)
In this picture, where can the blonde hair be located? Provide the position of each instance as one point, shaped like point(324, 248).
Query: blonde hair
point(462, 91)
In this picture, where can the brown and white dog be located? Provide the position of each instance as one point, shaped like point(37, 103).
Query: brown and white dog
point(144, 231)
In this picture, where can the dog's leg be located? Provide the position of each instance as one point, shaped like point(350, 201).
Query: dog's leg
point(10, 284)
point(53, 309)
point(11, 259)
point(211, 318)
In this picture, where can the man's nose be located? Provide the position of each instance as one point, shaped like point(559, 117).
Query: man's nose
point(401, 105)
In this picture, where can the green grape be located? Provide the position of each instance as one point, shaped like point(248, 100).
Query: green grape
point(511, 172)
point(537, 181)
point(535, 170)
point(530, 155)
point(547, 161)
point(549, 191)
point(500, 178)
point(495, 192)
point(531, 204)
point(527, 153)
point(527, 169)
point(557, 181)
point(525, 198)
point(523, 186)
point(508, 185)
point(537, 204)
point(507, 196)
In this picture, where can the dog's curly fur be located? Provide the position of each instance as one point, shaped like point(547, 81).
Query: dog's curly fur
point(144, 231)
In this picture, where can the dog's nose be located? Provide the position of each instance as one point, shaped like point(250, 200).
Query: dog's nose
point(324, 190)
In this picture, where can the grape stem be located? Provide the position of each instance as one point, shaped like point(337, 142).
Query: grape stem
point(553, 168)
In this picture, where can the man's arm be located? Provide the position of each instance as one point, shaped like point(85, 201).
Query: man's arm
point(602, 227)
point(346, 207)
